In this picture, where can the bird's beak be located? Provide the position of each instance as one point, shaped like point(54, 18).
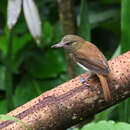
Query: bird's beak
point(58, 45)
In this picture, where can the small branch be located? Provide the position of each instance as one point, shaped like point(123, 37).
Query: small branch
point(68, 23)
point(73, 102)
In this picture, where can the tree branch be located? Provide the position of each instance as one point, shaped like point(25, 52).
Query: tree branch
point(73, 102)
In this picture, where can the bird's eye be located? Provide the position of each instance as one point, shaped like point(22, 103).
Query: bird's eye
point(69, 43)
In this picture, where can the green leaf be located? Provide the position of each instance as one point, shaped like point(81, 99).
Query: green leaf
point(125, 26)
point(10, 118)
point(3, 106)
point(3, 43)
point(25, 87)
point(2, 77)
point(49, 84)
point(57, 34)
point(107, 125)
point(17, 60)
point(48, 65)
point(117, 52)
point(84, 27)
point(124, 111)
point(20, 42)
point(36, 86)
point(106, 114)
point(47, 33)
point(14, 9)
point(33, 19)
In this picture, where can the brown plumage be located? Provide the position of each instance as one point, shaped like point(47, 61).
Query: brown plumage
point(89, 57)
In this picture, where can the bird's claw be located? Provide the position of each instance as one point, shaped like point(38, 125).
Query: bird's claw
point(83, 81)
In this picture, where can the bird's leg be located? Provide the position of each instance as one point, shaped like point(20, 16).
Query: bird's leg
point(83, 80)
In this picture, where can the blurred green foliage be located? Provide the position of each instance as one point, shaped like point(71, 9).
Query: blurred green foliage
point(108, 125)
point(36, 69)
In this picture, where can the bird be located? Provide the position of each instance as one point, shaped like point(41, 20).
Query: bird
point(89, 57)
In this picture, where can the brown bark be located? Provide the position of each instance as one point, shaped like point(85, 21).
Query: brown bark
point(73, 102)
point(68, 23)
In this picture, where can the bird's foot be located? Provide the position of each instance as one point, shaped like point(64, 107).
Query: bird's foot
point(83, 81)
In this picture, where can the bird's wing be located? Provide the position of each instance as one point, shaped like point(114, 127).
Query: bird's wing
point(90, 57)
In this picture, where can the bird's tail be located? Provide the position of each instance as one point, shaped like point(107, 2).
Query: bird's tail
point(105, 87)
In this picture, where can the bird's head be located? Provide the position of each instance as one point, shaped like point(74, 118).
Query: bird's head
point(70, 43)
